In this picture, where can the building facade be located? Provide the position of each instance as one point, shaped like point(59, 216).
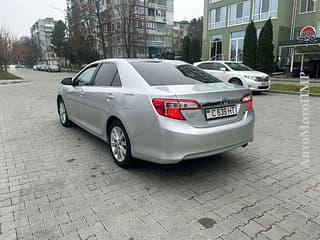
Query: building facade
point(159, 25)
point(151, 26)
point(225, 22)
point(180, 31)
point(41, 33)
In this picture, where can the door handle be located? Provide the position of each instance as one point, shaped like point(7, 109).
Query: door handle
point(109, 98)
point(82, 93)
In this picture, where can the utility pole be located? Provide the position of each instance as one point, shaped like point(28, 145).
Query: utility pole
point(145, 29)
point(292, 32)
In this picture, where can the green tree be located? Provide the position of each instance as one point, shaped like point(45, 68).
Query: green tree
point(265, 57)
point(195, 51)
point(186, 49)
point(58, 38)
point(250, 46)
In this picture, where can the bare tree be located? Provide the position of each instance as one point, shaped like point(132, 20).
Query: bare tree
point(101, 24)
point(7, 40)
point(126, 10)
point(88, 21)
point(25, 51)
point(109, 10)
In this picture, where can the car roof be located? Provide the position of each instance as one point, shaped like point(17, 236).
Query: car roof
point(142, 60)
point(213, 61)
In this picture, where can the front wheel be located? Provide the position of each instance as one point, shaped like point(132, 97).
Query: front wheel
point(120, 147)
point(236, 81)
point(64, 119)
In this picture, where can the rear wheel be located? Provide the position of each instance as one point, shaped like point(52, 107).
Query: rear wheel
point(64, 119)
point(120, 147)
point(236, 81)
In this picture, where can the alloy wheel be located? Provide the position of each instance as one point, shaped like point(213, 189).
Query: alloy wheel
point(118, 144)
point(62, 113)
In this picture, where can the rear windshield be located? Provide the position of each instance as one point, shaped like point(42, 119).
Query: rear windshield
point(165, 73)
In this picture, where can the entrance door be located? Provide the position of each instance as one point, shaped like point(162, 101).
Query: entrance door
point(236, 46)
point(216, 47)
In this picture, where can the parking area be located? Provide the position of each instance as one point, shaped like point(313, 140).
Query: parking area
point(58, 183)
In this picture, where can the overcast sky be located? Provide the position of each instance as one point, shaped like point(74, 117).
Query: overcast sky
point(19, 15)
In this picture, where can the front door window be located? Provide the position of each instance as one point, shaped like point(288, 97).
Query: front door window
point(85, 77)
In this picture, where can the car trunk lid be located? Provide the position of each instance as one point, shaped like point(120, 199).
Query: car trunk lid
point(210, 97)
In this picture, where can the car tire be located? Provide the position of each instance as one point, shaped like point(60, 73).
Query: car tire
point(236, 81)
point(119, 144)
point(63, 115)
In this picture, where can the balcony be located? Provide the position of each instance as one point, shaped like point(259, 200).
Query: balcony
point(156, 32)
point(156, 44)
point(157, 6)
point(160, 19)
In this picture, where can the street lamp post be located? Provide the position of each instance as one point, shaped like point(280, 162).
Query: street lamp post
point(63, 12)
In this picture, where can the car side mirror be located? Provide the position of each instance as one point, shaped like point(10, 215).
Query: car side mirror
point(67, 81)
point(223, 69)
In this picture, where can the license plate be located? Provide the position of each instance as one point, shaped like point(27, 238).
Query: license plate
point(222, 112)
point(265, 84)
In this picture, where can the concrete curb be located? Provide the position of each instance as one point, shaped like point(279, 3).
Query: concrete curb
point(8, 82)
point(293, 93)
point(292, 80)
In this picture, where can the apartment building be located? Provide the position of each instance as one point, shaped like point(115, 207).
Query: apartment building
point(225, 22)
point(41, 32)
point(180, 31)
point(192, 29)
point(151, 27)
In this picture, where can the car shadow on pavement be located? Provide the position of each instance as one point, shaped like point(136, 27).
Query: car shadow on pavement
point(217, 166)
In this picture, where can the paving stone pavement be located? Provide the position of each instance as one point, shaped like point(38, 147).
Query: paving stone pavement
point(58, 183)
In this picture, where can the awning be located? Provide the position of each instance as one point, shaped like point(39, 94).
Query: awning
point(307, 48)
point(311, 49)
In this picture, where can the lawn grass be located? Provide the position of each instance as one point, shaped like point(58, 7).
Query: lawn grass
point(293, 88)
point(9, 76)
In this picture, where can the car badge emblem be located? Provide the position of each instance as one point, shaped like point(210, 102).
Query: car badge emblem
point(224, 101)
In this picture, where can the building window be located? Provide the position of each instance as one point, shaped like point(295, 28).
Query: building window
point(213, 1)
point(239, 13)
point(307, 6)
point(236, 46)
point(218, 17)
point(216, 47)
point(265, 9)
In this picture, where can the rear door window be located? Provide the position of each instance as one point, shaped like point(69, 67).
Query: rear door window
point(165, 73)
point(218, 66)
point(105, 75)
point(116, 81)
point(207, 66)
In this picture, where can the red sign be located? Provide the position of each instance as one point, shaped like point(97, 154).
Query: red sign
point(308, 34)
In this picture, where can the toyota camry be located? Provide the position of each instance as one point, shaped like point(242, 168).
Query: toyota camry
point(157, 110)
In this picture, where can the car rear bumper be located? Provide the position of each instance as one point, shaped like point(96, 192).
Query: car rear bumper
point(175, 141)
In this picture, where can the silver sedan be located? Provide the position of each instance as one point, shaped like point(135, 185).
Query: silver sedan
point(157, 110)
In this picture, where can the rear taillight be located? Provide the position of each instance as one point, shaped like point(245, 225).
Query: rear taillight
point(171, 108)
point(249, 100)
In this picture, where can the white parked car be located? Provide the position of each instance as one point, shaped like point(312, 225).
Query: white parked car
point(53, 68)
point(237, 73)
